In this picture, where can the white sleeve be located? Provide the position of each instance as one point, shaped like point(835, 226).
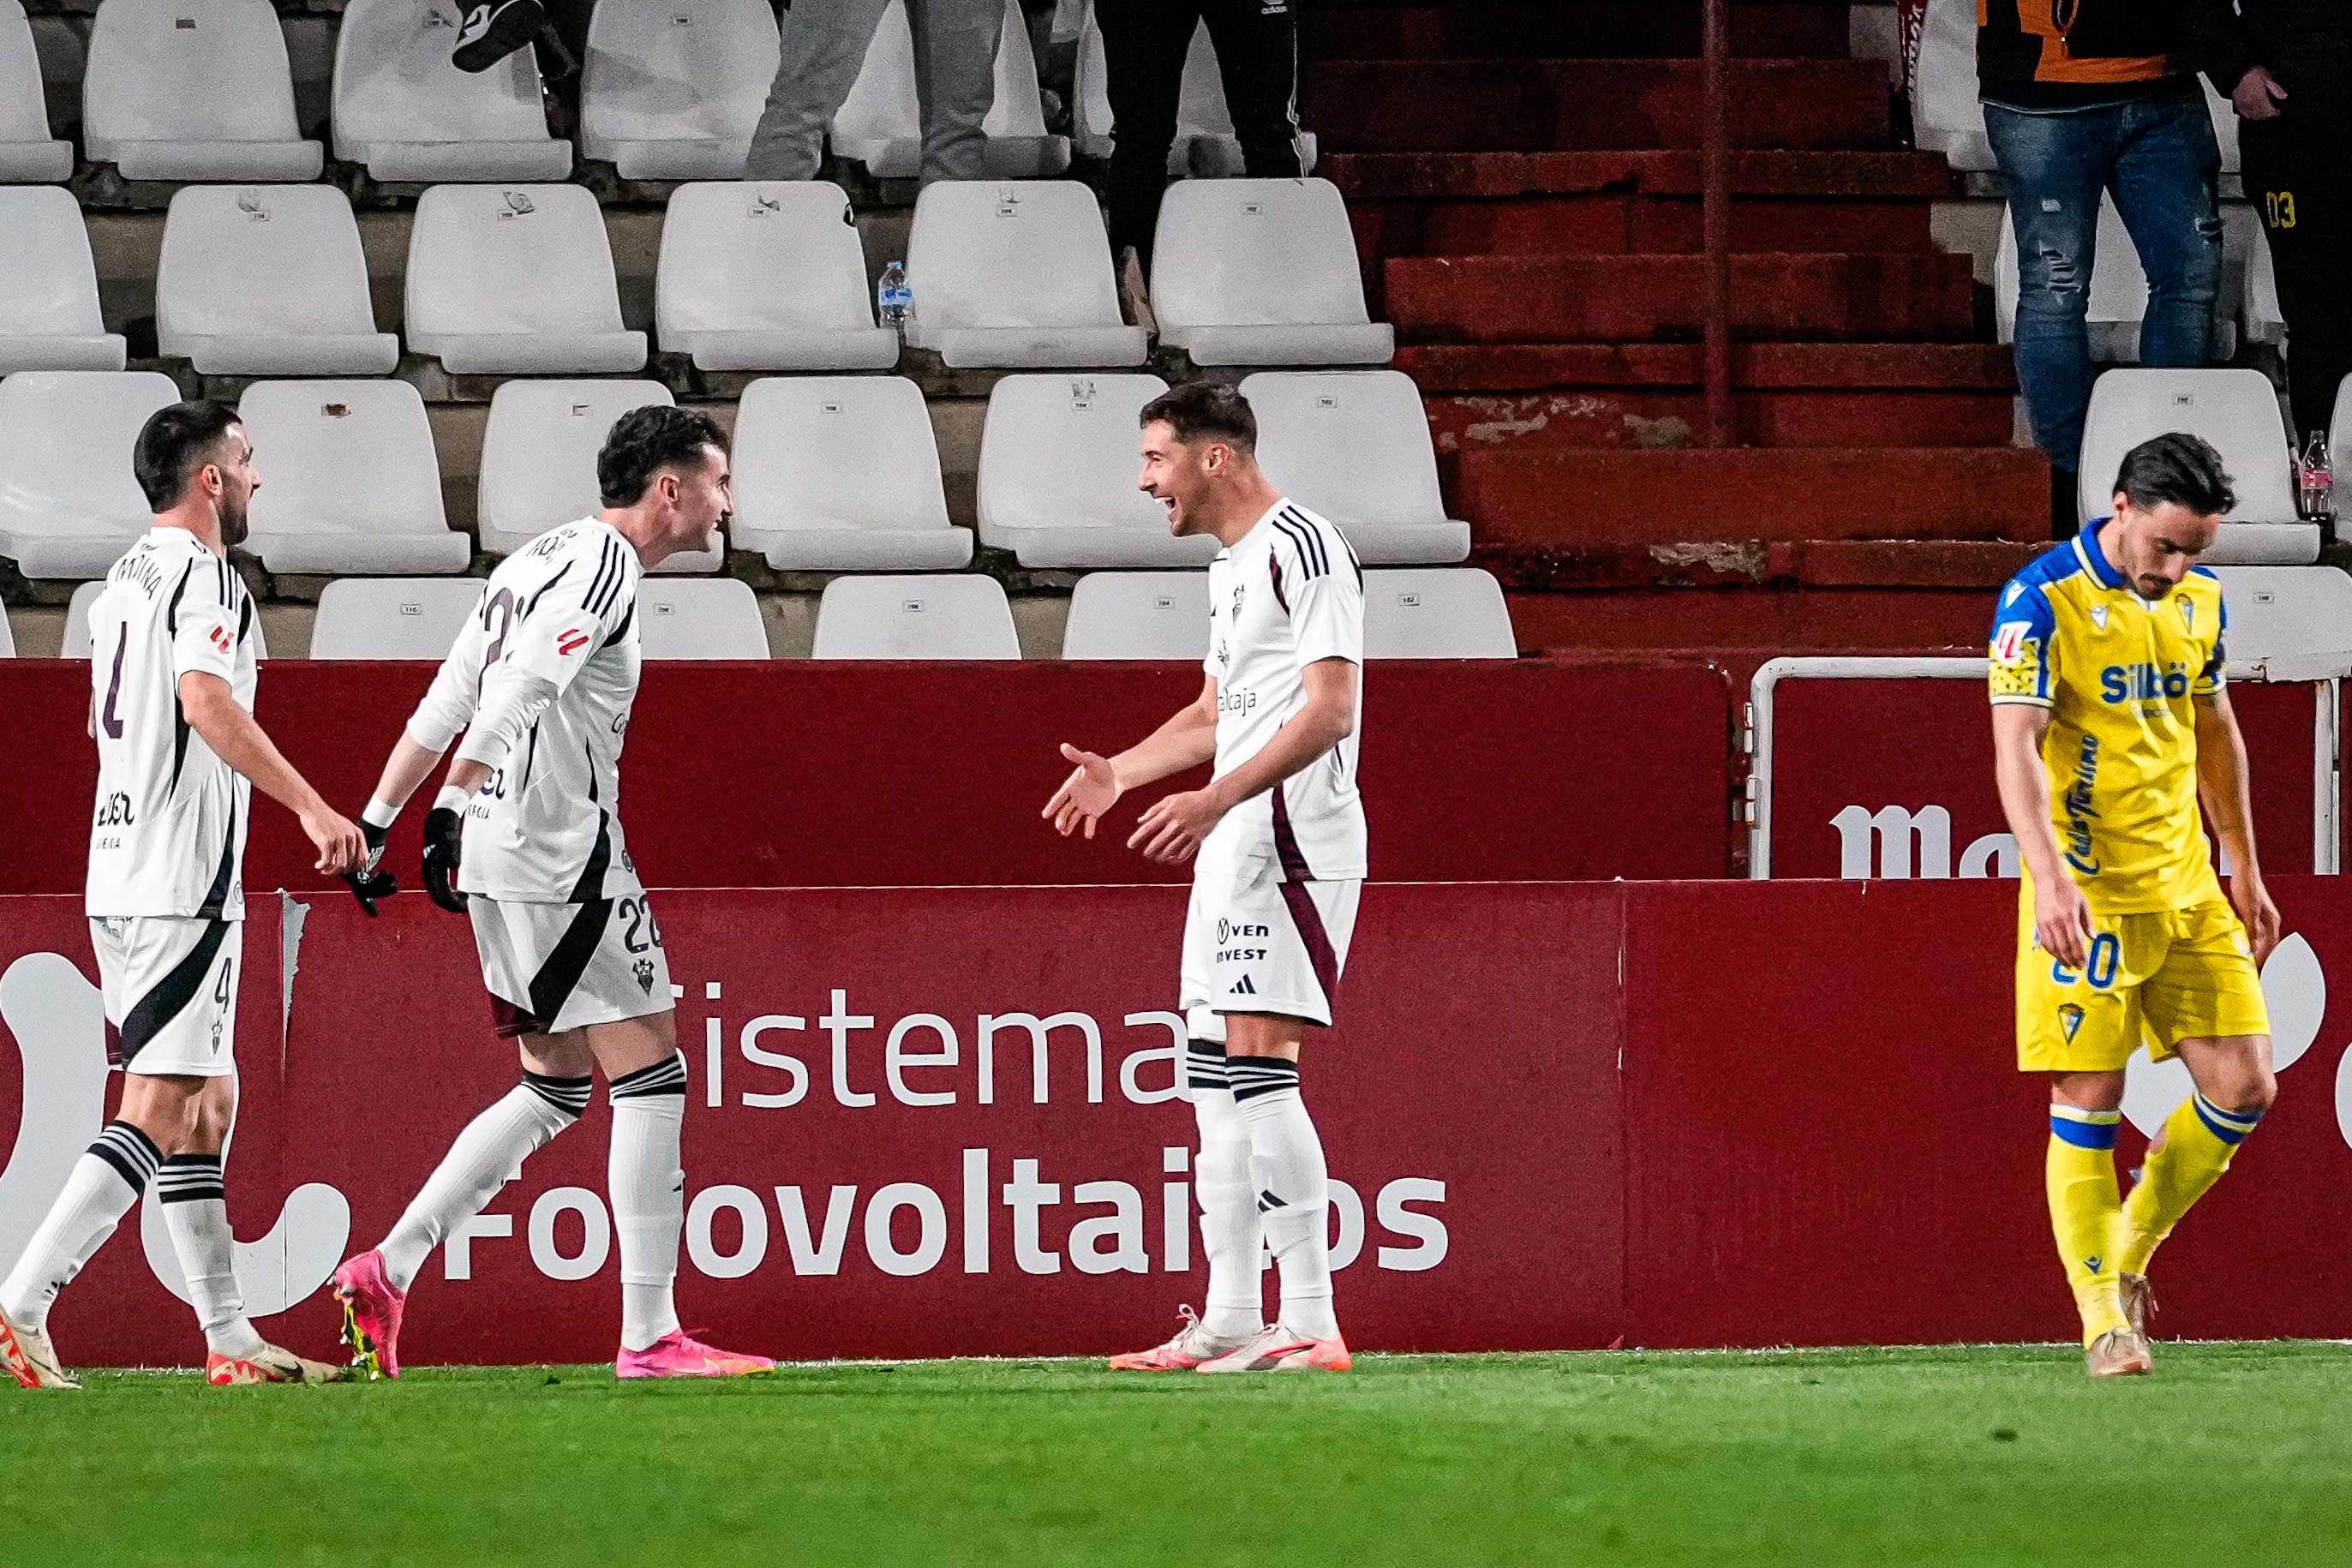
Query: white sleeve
point(542, 644)
point(449, 704)
point(1327, 616)
point(205, 620)
point(511, 702)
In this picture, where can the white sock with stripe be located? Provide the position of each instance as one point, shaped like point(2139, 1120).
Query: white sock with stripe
point(1293, 1188)
point(486, 1156)
point(647, 1184)
point(99, 1190)
point(1229, 1233)
point(194, 1196)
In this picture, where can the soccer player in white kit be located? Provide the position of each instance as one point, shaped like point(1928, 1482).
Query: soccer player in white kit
point(525, 838)
point(1278, 844)
point(173, 675)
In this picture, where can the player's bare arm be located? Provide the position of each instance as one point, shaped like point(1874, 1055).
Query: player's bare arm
point(1171, 832)
point(213, 713)
point(2062, 915)
point(1188, 740)
point(2222, 786)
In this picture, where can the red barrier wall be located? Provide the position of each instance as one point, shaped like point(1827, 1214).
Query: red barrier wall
point(810, 774)
point(1564, 1115)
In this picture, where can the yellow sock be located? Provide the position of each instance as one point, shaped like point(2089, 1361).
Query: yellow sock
point(2086, 1213)
point(2197, 1142)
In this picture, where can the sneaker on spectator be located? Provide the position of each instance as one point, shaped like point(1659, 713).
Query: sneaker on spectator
point(493, 29)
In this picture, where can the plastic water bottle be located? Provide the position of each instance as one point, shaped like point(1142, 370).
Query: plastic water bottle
point(894, 297)
point(2315, 479)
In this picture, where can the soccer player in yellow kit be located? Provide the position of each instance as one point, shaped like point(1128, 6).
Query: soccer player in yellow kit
point(2111, 721)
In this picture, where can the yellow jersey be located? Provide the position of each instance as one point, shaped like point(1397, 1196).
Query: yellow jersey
point(2121, 677)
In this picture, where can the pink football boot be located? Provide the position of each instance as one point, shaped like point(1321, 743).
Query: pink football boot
point(677, 1355)
point(372, 1309)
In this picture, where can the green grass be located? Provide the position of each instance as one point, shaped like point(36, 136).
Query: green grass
point(2232, 1454)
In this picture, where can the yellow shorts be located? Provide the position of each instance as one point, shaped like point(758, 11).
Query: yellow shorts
point(2152, 979)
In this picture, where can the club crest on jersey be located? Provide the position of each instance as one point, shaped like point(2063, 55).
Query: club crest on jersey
point(645, 973)
point(2069, 1019)
point(2099, 617)
point(2188, 614)
point(571, 641)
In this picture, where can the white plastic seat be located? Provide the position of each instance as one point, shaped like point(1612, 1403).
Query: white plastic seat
point(539, 460)
point(842, 474)
point(69, 504)
point(268, 280)
point(391, 617)
point(2265, 320)
point(1139, 614)
point(915, 617)
point(1058, 461)
point(403, 111)
point(516, 280)
point(2339, 430)
point(49, 316)
point(27, 152)
point(1263, 272)
point(673, 91)
point(766, 277)
point(1354, 445)
point(2285, 612)
point(1446, 612)
point(1205, 142)
point(700, 617)
point(2118, 293)
point(2238, 412)
point(1015, 275)
point(7, 636)
point(192, 89)
point(350, 482)
point(880, 124)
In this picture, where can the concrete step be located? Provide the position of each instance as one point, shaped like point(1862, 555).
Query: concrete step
point(1376, 176)
point(1485, 29)
point(1771, 623)
point(1504, 367)
point(1979, 565)
point(1621, 223)
point(1654, 418)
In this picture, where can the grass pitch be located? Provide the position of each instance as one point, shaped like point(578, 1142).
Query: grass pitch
point(2232, 1454)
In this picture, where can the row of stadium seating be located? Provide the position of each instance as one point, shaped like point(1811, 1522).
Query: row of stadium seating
point(271, 280)
point(832, 473)
point(1447, 613)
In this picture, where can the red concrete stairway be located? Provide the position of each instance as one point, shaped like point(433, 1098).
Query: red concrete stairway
point(1526, 191)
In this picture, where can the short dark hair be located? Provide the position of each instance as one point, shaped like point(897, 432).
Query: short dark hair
point(2182, 469)
point(172, 445)
point(1206, 410)
point(644, 441)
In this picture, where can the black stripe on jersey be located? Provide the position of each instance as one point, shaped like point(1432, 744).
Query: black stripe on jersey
point(599, 860)
point(598, 602)
point(172, 610)
point(1312, 562)
point(596, 584)
point(180, 729)
point(172, 994)
point(532, 603)
point(245, 618)
point(623, 629)
point(216, 896)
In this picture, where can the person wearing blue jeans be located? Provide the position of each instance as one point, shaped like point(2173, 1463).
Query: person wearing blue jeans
point(2082, 97)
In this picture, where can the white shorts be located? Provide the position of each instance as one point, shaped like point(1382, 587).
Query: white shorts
point(1256, 944)
point(555, 967)
point(170, 985)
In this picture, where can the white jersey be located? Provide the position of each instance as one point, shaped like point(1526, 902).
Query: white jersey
point(168, 834)
point(546, 828)
point(1289, 595)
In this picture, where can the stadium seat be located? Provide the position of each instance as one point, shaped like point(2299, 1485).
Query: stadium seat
point(516, 282)
point(880, 124)
point(2339, 430)
point(49, 316)
point(2238, 412)
point(2266, 321)
point(2282, 613)
point(391, 617)
point(842, 474)
point(192, 89)
point(2118, 293)
point(7, 636)
point(1015, 275)
point(1139, 614)
point(915, 617)
point(1451, 611)
point(1058, 461)
point(539, 459)
point(1205, 142)
point(1262, 272)
point(69, 505)
point(268, 280)
point(673, 91)
point(27, 152)
point(704, 617)
point(76, 643)
point(349, 483)
point(403, 111)
point(766, 277)
point(1354, 445)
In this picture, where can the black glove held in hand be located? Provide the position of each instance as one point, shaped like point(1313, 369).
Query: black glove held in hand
point(443, 830)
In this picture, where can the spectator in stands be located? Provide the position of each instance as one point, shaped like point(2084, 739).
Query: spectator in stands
point(825, 44)
point(2287, 65)
point(1144, 45)
point(2082, 97)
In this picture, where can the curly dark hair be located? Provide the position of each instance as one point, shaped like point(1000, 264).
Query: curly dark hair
point(644, 441)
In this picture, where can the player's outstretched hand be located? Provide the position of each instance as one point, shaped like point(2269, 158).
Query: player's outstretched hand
point(1171, 830)
point(444, 828)
point(371, 882)
point(2262, 916)
point(2062, 920)
point(338, 840)
point(1092, 789)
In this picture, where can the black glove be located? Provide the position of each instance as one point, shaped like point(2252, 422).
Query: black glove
point(444, 829)
point(370, 883)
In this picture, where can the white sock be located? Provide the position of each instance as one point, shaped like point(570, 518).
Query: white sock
point(647, 1186)
point(1293, 1188)
point(1230, 1235)
point(485, 1157)
point(195, 1211)
point(99, 1190)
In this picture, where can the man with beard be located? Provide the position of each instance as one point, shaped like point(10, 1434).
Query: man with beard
point(173, 675)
